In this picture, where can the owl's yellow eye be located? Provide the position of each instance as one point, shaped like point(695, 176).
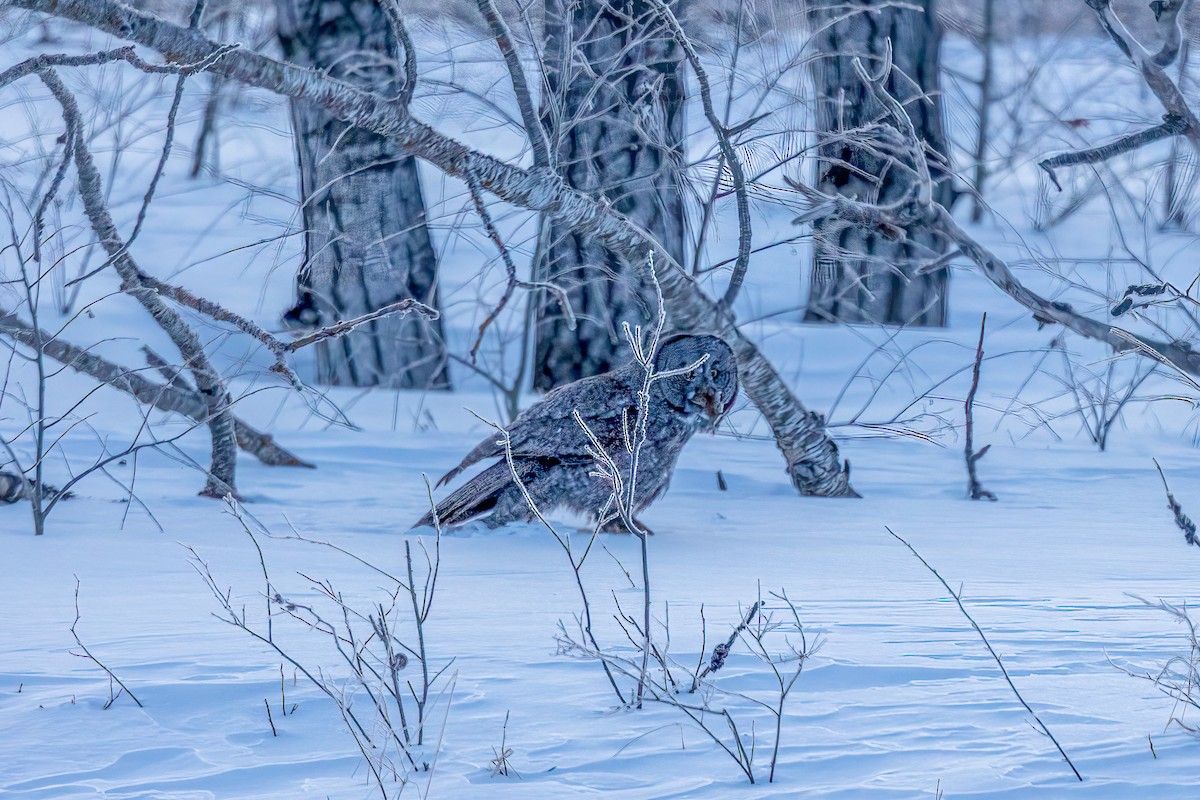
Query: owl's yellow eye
point(714, 373)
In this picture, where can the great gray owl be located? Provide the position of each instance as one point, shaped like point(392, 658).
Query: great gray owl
point(551, 451)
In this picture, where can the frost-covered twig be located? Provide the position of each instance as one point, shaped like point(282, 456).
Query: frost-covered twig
point(1179, 677)
point(369, 646)
point(585, 618)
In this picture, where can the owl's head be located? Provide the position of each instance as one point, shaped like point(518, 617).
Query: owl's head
point(709, 388)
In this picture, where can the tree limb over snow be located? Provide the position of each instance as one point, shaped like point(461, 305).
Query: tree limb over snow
point(163, 397)
point(813, 462)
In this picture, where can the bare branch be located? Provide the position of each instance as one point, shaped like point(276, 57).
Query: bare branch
point(343, 327)
point(975, 490)
point(1172, 125)
point(88, 654)
point(400, 32)
point(729, 155)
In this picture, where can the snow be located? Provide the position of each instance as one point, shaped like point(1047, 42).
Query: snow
point(901, 701)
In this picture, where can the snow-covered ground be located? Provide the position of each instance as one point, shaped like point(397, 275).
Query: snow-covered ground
point(901, 701)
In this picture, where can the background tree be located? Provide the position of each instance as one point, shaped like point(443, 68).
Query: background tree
point(861, 275)
point(614, 115)
point(366, 243)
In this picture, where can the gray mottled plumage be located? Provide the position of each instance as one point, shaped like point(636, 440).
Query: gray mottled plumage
point(551, 452)
point(13, 489)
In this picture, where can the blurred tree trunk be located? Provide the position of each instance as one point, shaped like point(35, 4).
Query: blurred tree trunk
point(861, 276)
point(614, 113)
point(366, 243)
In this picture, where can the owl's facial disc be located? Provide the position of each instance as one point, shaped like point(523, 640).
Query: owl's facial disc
point(706, 390)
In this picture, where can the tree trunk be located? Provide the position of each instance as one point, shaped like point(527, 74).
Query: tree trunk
point(366, 243)
point(614, 115)
point(860, 275)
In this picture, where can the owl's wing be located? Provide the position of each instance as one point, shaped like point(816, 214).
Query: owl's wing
point(549, 430)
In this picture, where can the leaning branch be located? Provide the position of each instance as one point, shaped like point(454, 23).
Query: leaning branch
point(813, 462)
point(919, 208)
point(1172, 125)
point(168, 398)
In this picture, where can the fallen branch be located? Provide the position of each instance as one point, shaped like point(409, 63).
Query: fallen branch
point(163, 397)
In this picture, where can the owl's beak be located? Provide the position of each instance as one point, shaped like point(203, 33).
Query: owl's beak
point(713, 407)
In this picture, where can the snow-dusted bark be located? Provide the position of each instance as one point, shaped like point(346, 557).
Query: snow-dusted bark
point(169, 397)
point(861, 275)
point(812, 457)
point(366, 240)
point(220, 479)
point(613, 111)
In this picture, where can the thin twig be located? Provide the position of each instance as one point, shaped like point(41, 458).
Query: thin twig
point(974, 489)
point(983, 637)
point(1182, 520)
point(88, 653)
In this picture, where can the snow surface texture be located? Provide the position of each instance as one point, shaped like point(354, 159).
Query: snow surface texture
point(901, 701)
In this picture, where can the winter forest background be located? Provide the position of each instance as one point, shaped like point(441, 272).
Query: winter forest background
point(267, 269)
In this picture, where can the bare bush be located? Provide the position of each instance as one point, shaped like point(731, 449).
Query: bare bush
point(382, 683)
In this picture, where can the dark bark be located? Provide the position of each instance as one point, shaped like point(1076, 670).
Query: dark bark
point(860, 275)
point(616, 132)
point(367, 243)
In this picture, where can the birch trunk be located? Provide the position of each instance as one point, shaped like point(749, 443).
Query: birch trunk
point(859, 275)
point(367, 244)
point(613, 112)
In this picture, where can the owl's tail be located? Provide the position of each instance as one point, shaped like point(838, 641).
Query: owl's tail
point(477, 496)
